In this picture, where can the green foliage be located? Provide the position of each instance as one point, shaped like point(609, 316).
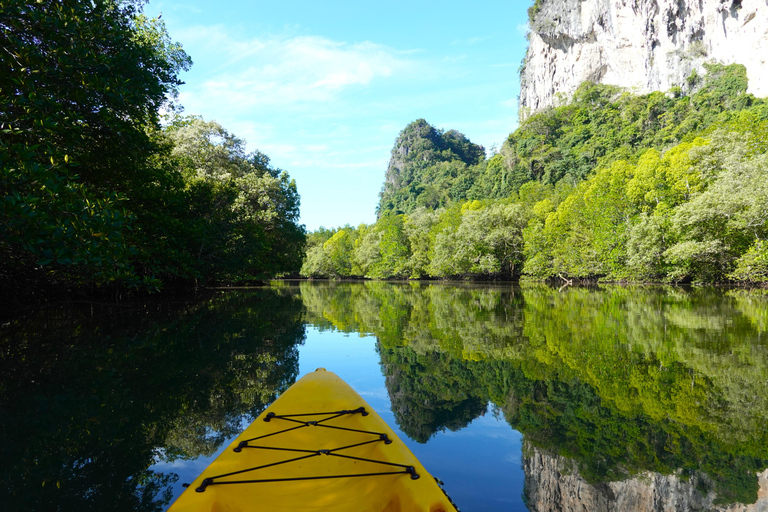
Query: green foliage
point(534, 9)
point(603, 124)
point(429, 168)
point(380, 251)
point(61, 228)
point(83, 79)
point(717, 226)
point(367, 252)
point(418, 226)
point(81, 83)
point(244, 223)
point(689, 213)
point(752, 266)
point(316, 263)
point(686, 214)
point(93, 191)
point(647, 242)
point(393, 248)
point(339, 250)
point(333, 253)
point(488, 242)
point(610, 186)
point(725, 85)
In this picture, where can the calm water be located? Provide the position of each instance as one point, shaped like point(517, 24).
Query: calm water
point(518, 398)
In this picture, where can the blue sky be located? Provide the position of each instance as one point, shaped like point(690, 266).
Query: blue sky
point(324, 88)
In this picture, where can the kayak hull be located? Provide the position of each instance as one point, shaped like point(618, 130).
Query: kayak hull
point(319, 447)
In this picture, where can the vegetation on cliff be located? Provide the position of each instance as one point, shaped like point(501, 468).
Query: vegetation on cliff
point(424, 168)
point(613, 185)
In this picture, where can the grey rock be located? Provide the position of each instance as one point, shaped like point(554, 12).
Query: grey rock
point(553, 484)
point(641, 45)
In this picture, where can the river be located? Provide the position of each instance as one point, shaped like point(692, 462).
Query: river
point(518, 397)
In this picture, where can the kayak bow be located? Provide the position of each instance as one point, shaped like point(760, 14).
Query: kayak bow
point(318, 447)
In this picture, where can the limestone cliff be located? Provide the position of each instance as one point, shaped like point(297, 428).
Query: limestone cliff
point(553, 484)
point(642, 45)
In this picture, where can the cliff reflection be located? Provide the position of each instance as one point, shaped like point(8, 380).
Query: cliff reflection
point(553, 484)
point(616, 385)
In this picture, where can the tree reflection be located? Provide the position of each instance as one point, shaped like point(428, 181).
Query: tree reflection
point(430, 392)
point(92, 396)
point(620, 380)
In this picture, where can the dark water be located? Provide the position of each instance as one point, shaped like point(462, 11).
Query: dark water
point(519, 398)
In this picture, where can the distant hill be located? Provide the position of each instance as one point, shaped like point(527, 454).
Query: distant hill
point(601, 124)
point(604, 179)
point(424, 165)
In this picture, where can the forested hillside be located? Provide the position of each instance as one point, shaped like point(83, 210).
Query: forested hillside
point(425, 166)
point(95, 191)
point(661, 187)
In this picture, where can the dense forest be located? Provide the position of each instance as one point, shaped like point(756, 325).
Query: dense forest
point(103, 183)
point(612, 185)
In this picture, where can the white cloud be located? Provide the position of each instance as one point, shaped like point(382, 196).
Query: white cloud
point(284, 71)
point(469, 41)
point(381, 394)
point(311, 156)
point(329, 111)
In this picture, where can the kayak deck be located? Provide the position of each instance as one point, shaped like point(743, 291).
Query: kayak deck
point(319, 447)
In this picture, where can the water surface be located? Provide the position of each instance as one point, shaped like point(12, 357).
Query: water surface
point(518, 398)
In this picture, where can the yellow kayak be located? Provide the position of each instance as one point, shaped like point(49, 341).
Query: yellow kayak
point(319, 447)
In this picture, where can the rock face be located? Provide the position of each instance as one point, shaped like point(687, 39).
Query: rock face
point(642, 45)
point(553, 484)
